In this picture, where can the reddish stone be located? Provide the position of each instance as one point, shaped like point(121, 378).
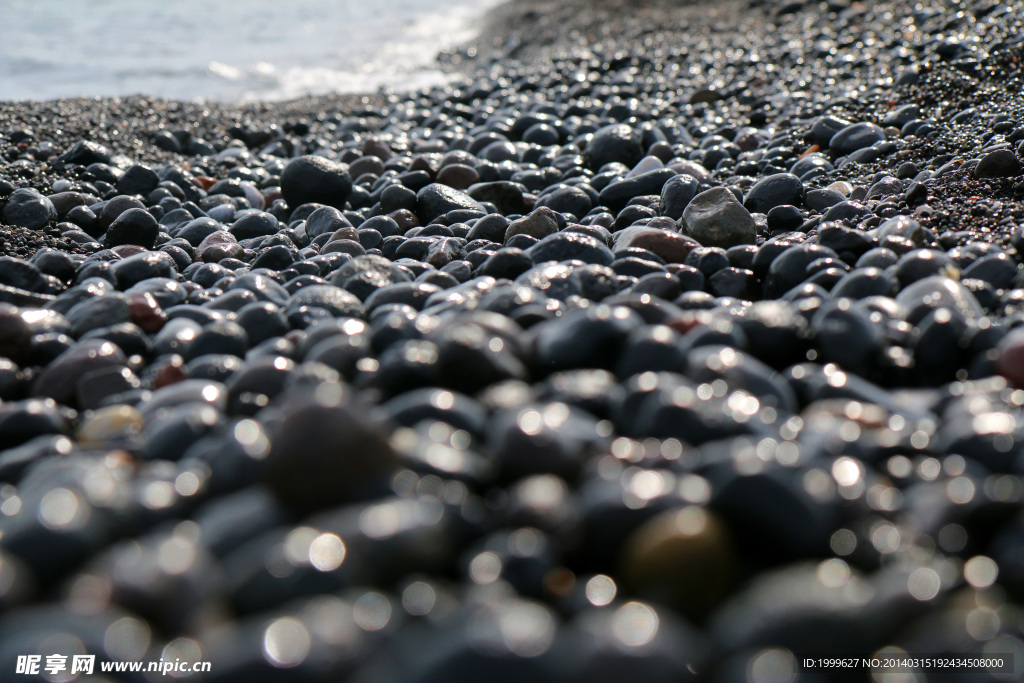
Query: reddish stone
point(146, 312)
point(169, 371)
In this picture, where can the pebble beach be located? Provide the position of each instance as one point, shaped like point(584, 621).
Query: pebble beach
point(666, 340)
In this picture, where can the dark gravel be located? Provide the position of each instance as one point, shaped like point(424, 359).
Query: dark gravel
point(673, 341)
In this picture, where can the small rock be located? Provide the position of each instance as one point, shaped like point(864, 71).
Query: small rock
point(134, 226)
point(716, 219)
point(1002, 163)
point(855, 136)
point(618, 142)
point(27, 208)
point(316, 179)
point(435, 200)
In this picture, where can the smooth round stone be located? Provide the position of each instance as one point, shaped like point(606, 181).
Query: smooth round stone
point(343, 246)
point(218, 337)
point(341, 352)
point(863, 282)
point(588, 338)
point(140, 267)
point(939, 291)
point(22, 422)
point(671, 247)
point(885, 187)
point(216, 367)
point(507, 262)
point(255, 385)
point(27, 208)
point(264, 288)
point(444, 251)
point(109, 425)
point(413, 294)
point(458, 176)
point(128, 336)
point(650, 349)
point(568, 200)
point(555, 280)
point(232, 300)
point(594, 391)
point(85, 153)
point(168, 437)
point(1002, 163)
point(825, 127)
point(775, 190)
point(921, 263)
point(785, 217)
point(541, 439)
point(255, 224)
point(645, 165)
point(848, 242)
point(56, 263)
point(134, 226)
point(15, 334)
point(737, 283)
point(846, 336)
point(181, 393)
point(789, 268)
point(538, 224)
point(326, 220)
point(315, 179)
point(97, 312)
point(854, 137)
point(117, 206)
point(138, 179)
point(999, 270)
point(478, 351)
point(708, 260)
point(939, 345)
point(21, 274)
point(326, 450)
point(904, 228)
point(683, 558)
point(58, 381)
point(505, 195)
point(364, 275)
point(366, 164)
point(879, 257)
point(707, 363)
point(846, 210)
point(811, 163)
point(716, 219)
point(542, 134)
point(616, 143)
point(662, 285)
point(262, 321)
point(565, 246)
point(435, 200)
point(396, 197)
point(619, 193)
point(198, 230)
point(339, 302)
point(677, 193)
point(821, 200)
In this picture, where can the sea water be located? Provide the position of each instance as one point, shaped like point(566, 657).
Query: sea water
point(226, 50)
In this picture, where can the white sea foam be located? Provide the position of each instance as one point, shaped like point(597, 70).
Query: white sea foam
point(226, 50)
